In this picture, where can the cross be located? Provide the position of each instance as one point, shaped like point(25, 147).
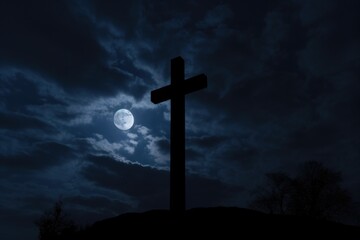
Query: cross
point(176, 93)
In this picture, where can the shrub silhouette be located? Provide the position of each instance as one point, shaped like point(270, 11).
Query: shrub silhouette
point(315, 191)
point(54, 224)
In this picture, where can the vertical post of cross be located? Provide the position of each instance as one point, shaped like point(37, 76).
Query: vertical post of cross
point(177, 137)
point(176, 92)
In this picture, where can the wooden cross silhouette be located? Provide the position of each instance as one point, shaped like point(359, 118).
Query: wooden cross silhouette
point(176, 93)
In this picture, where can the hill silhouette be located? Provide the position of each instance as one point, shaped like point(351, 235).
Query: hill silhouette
point(218, 222)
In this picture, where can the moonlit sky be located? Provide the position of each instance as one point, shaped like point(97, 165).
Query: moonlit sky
point(283, 88)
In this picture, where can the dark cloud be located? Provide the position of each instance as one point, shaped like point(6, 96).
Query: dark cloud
point(313, 137)
point(19, 122)
point(125, 16)
point(44, 155)
point(332, 44)
point(193, 154)
point(258, 99)
point(199, 148)
point(206, 142)
point(53, 39)
point(246, 156)
point(20, 91)
point(35, 202)
point(28, 95)
point(163, 145)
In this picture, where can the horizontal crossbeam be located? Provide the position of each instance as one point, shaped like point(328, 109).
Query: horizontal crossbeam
point(188, 86)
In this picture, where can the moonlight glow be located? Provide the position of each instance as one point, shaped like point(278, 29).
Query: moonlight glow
point(123, 119)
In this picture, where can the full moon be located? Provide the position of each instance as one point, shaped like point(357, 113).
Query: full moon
point(123, 119)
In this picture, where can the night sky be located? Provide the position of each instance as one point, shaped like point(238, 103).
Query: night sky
point(283, 88)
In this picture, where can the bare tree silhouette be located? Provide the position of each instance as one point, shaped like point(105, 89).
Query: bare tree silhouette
point(54, 224)
point(318, 193)
point(274, 196)
point(315, 192)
